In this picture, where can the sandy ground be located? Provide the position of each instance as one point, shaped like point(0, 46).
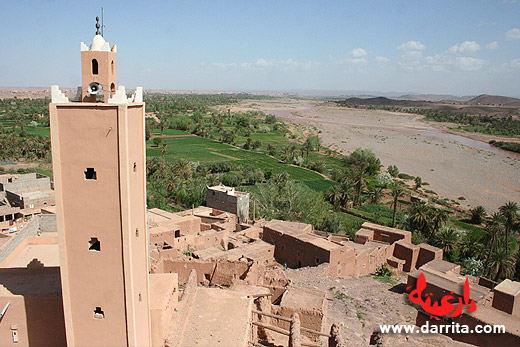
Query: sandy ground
point(455, 166)
point(360, 305)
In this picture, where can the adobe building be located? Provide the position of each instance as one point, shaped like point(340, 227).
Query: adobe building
point(227, 199)
point(22, 196)
point(495, 306)
point(98, 152)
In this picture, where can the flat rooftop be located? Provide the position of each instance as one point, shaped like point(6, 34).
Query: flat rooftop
point(46, 254)
point(249, 250)
point(373, 226)
point(291, 228)
point(303, 298)
point(318, 241)
point(439, 265)
point(509, 287)
point(38, 194)
point(218, 318)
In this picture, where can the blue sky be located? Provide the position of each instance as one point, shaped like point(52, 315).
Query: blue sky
point(444, 47)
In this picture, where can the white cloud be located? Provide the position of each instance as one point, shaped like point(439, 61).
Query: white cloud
point(382, 59)
point(358, 53)
point(222, 66)
point(261, 63)
point(469, 63)
point(412, 46)
point(464, 47)
point(356, 56)
point(492, 45)
point(515, 64)
point(513, 34)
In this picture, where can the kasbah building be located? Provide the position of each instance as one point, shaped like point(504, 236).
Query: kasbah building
point(96, 268)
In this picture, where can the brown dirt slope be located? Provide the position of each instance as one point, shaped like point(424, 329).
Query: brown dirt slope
point(486, 99)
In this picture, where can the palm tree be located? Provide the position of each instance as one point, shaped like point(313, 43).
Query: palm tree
point(360, 177)
point(183, 168)
point(334, 196)
point(396, 194)
point(164, 150)
point(346, 193)
point(419, 216)
point(501, 264)
point(447, 239)
point(510, 213)
point(308, 146)
point(375, 195)
point(439, 218)
point(478, 214)
point(493, 229)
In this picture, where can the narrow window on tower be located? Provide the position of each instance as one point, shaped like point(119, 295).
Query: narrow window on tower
point(90, 174)
point(98, 313)
point(94, 67)
point(112, 66)
point(94, 244)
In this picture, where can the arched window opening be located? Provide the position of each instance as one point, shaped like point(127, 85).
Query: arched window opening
point(94, 67)
point(112, 66)
point(112, 89)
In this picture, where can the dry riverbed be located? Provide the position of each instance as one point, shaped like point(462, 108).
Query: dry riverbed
point(454, 165)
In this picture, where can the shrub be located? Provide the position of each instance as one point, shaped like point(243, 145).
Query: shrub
point(298, 160)
point(334, 224)
point(385, 179)
point(393, 170)
point(383, 271)
point(405, 176)
point(318, 166)
point(270, 119)
point(472, 267)
point(157, 141)
point(231, 180)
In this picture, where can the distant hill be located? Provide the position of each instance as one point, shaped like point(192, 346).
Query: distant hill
point(435, 97)
point(497, 100)
point(382, 101)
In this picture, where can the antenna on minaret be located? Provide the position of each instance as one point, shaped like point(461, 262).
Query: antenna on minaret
point(102, 25)
point(97, 26)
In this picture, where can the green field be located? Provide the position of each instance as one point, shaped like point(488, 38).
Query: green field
point(203, 150)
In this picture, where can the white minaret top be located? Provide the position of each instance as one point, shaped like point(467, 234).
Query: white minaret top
point(98, 44)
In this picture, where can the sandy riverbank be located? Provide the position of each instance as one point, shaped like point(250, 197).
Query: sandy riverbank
point(455, 166)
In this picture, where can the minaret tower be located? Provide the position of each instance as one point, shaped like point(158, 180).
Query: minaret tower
point(98, 68)
point(98, 152)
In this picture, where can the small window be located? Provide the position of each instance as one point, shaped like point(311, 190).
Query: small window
point(136, 232)
point(140, 297)
point(94, 244)
point(90, 174)
point(135, 166)
point(95, 67)
point(98, 313)
point(177, 233)
point(112, 66)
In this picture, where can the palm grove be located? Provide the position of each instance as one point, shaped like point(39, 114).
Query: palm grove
point(353, 190)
